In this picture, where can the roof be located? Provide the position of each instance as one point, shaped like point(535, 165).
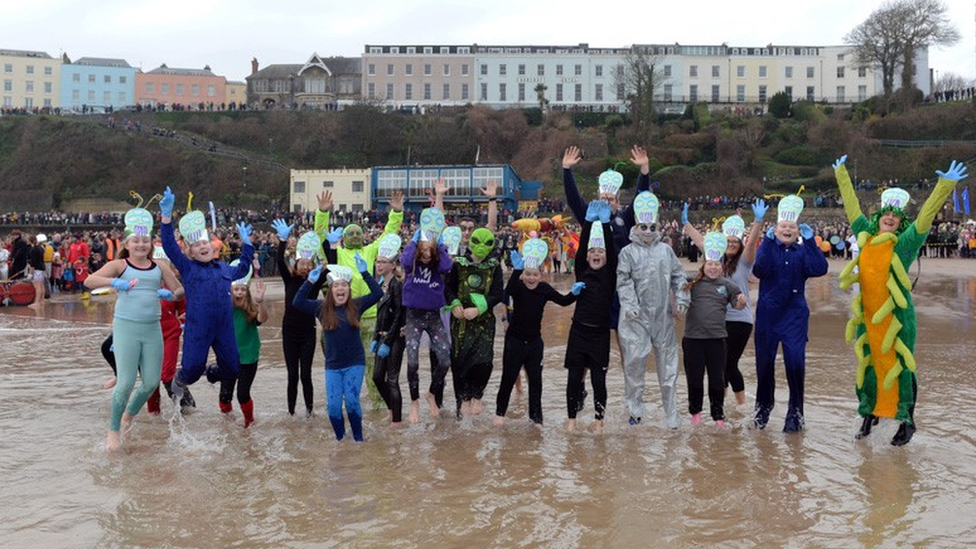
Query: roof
point(163, 69)
point(276, 71)
point(103, 62)
point(25, 53)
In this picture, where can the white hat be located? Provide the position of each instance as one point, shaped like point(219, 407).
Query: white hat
point(452, 239)
point(389, 246)
point(308, 245)
point(41, 237)
point(789, 208)
point(715, 246)
point(535, 251)
point(339, 272)
point(193, 227)
point(734, 226)
point(610, 181)
point(597, 239)
point(646, 206)
point(896, 197)
point(431, 224)
point(246, 279)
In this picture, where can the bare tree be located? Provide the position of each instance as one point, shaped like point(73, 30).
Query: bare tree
point(642, 76)
point(877, 45)
point(951, 81)
point(926, 24)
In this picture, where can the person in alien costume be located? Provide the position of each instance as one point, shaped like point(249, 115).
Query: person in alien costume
point(472, 289)
point(351, 244)
point(648, 271)
point(883, 327)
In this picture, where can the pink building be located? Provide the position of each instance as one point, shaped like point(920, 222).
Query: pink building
point(179, 87)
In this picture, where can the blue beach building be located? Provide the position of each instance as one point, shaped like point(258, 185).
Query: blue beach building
point(97, 84)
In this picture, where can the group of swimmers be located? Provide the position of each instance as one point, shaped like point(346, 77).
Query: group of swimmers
point(377, 301)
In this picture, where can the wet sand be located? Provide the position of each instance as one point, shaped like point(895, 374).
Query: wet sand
point(286, 482)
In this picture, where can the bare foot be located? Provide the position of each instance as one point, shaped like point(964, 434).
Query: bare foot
point(740, 398)
point(415, 411)
point(571, 425)
point(114, 441)
point(596, 426)
point(126, 425)
point(498, 421)
point(110, 383)
point(466, 408)
point(432, 402)
point(477, 407)
point(389, 415)
point(396, 424)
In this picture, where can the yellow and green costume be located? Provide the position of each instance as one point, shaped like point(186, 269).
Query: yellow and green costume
point(883, 327)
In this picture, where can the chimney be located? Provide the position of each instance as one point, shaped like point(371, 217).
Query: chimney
point(254, 65)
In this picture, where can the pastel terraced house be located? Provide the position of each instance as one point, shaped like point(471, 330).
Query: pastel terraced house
point(31, 80)
point(94, 84)
point(188, 88)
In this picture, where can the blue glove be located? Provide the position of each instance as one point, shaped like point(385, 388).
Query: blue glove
point(165, 294)
point(361, 263)
point(957, 171)
point(684, 215)
point(577, 288)
point(416, 236)
point(593, 211)
point(314, 275)
point(373, 346)
point(805, 231)
point(771, 233)
point(245, 231)
point(167, 202)
point(121, 285)
point(840, 162)
point(759, 209)
point(604, 212)
point(282, 228)
point(517, 262)
point(383, 351)
point(334, 236)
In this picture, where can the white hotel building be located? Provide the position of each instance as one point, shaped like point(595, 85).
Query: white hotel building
point(581, 77)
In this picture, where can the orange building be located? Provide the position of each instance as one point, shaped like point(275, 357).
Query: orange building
point(180, 88)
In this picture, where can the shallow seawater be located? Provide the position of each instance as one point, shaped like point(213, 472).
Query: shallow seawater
point(204, 481)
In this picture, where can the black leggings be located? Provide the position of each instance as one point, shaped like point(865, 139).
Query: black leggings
point(244, 380)
point(299, 349)
point(702, 355)
point(108, 353)
point(520, 353)
point(735, 344)
point(575, 390)
point(386, 377)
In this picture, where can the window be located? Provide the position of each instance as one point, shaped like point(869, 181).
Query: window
point(389, 91)
point(411, 50)
point(76, 78)
point(693, 93)
point(501, 92)
point(578, 92)
point(357, 186)
point(75, 95)
point(840, 56)
point(194, 89)
point(668, 92)
point(862, 93)
point(621, 91)
point(388, 181)
point(371, 90)
point(598, 93)
point(464, 69)
point(811, 92)
point(559, 92)
point(521, 70)
point(715, 93)
point(371, 69)
point(8, 101)
point(740, 71)
point(521, 92)
point(211, 90)
point(598, 70)
point(8, 68)
point(446, 92)
point(91, 78)
point(106, 98)
point(862, 72)
point(299, 187)
point(150, 88)
point(740, 93)
point(408, 69)
point(502, 69)
point(445, 49)
point(408, 91)
point(484, 69)
point(47, 102)
point(8, 85)
point(427, 91)
point(464, 92)
point(91, 97)
point(108, 79)
point(465, 50)
point(164, 89)
point(374, 49)
point(540, 70)
point(789, 92)
point(428, 70)
point(389, 69)
point(484, 92)
point(122, 80)
point(667, 71)
point(840, 72)
point(395, 49)
point(328, 184)
point(809, 72)
point(578, 70)
point(47, 87)
point(762, 94)
point(693, 71)
point(428, 49)
point(789, 72)
point(840, 94)
point(29, 86)
point(716, 71)
point(447, 70)
point(30, 69)
point(762, 71)
point(179, 89)
point(559, 70)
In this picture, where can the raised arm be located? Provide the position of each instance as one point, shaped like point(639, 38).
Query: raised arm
point(575, 201)
point(322, 214)
point(851, 205)
point(947, 182)
point(489, 191)
point(690, 230)
point(440, 189)
point(759, 209)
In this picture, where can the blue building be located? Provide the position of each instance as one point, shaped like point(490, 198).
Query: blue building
point(464, 184)
point(97, 84)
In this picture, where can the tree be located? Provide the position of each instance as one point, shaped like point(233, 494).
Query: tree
point(951, 81)
point(780, 104)
point(641, 76)
point(540, 94)
point(893, 35)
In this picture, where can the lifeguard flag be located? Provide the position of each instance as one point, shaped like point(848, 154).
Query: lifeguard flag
point(955, 201)
point(965, 200)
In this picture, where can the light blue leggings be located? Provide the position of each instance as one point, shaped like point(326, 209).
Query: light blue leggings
point(345, 384)
point(138, 348)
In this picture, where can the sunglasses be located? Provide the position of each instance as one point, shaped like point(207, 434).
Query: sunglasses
point(647, 227)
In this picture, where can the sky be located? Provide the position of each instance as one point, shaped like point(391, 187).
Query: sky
point(226, 34)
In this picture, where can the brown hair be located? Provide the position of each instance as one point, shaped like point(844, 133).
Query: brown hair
point(435, 255)
point(249, 307)
point(328, 316)
point(730, 265)
point(701, 275)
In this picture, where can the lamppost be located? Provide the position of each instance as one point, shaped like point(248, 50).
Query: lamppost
point(244, 178)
